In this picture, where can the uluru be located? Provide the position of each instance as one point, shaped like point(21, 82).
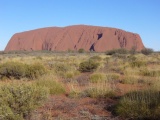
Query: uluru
point(89, 38)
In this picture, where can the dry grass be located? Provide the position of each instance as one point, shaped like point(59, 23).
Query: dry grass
point(115, 76)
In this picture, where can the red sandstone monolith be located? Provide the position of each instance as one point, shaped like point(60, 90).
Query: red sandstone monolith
point(90, 38)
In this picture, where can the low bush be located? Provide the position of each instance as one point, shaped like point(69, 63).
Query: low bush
point(147, 51)
point(54, 87)
point(17, 101)
point(61, 67)
point(137, 63)
point(97, 77)
point(13, 69)
point(120, 56)
point(99, 92)
point(65, 70)
point(107, 59)
point(75, 94)
point(81, 50)
point(19, 70)
point(112, 77)
point(71, 74)
point(96, 58)
point(117, 51)
point(35, 70)
point(140, 105)
point(132, 58)
point(150, 73)
point(88, 66)
point(39, 58)
point(70, 51)
point(129, 80)
point(133, 50)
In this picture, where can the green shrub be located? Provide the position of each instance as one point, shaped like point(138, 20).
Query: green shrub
point(81, 50)
point(54, 87)
point(17, 101)
point(137, 63)
point(111, 52)
point(97, 77)
point(139, 105)
point(132, 58)
point(35, 70)
point(150, 73)
point(39, 58)
point(12, 69)
point(147, 51)
point(75, 94)
point(70, 51)
point(107, 59)
point(96, 58)
point(88, 66)
point(19, 70)
point(129, 80)
point(112, 77)
point(133, 50)
point(120, 56)
point(117, 51)
point(69, 75)
point(99, 92)
point(61, 67)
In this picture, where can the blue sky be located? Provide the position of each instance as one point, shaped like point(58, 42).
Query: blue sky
point(138, 16)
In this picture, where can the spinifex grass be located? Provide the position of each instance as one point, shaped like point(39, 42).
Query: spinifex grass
point(143, 104)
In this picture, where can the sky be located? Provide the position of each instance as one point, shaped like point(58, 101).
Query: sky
point(138, 16)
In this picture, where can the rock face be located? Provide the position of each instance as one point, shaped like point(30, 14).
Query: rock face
point(90, 38)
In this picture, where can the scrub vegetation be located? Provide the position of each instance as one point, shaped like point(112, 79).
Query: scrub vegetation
point(45, 85)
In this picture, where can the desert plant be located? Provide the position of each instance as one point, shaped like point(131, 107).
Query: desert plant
point(97, 77)
point(117, 51)
point(19, 70)
point(99, 93)
point(54, 87)
point(129, 80)
point(70, 51)
point(111, 77)
point(107, 59)
point(75, 94)
point(147, 51)
point(39, 58)
point(64, 70)
point(149, 72)
point(96, 58)
point(12, 69)
point(17, 101)
point(120, 56)
point(35, 70)
point(61, 67)
point(111, 52)
point(81, 50)
point(133, 50)
point(137, 63)
point(88, 66)
point(139, 105)
point(132, 58)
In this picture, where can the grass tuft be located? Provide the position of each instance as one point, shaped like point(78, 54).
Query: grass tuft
point(140, 105)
